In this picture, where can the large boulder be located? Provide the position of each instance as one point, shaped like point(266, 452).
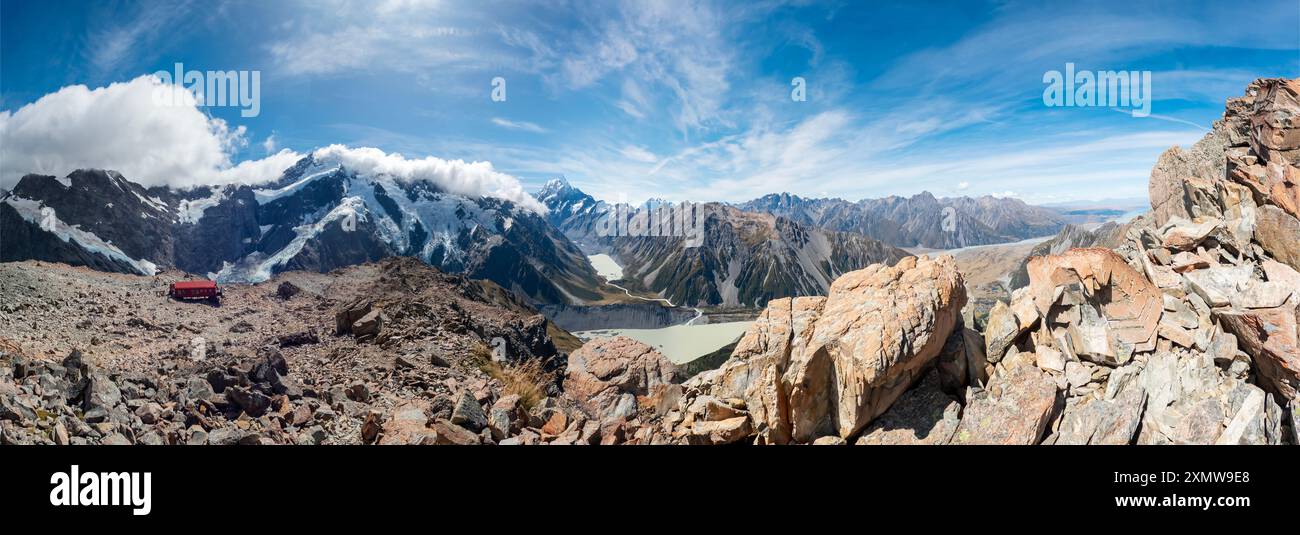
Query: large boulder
point(811, 367)
point(1279, 234)
point(607, 375)
point(1096, 306)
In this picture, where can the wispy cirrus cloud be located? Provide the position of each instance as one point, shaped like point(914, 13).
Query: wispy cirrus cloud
point(131, 31)
point(691, 99)
point(518, 125)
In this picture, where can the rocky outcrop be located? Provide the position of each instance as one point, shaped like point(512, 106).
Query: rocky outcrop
point(109, 359)
point(610, 377)
point(1184, 331)
point(814, 367)
point(1015, 408)
point(1094, 305)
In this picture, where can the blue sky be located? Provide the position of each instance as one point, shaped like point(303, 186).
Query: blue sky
point(681, 100)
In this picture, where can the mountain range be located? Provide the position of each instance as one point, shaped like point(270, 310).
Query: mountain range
point(321, 214)
point(921, 220)
point(318, 216)
point(741, 259)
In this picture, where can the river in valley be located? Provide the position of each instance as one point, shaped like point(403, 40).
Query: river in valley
point(681, 333)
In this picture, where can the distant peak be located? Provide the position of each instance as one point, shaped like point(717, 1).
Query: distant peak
point(559, 189)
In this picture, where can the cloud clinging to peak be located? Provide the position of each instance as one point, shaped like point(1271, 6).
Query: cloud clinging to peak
point(455, 176)
point(121, 127)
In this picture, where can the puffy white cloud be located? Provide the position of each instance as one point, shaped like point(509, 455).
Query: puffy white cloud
point(454, 176)
point(256, 171)
point(124, 128)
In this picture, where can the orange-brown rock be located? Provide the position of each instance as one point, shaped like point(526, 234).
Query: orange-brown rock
point(1269, 336)
point(605, 376)
point(812, 367)
point(1109, 308)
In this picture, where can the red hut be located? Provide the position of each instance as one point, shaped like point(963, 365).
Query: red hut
point(202, 289)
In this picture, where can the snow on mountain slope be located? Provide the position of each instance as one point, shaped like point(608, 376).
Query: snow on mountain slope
point(321, 214)
point(31, 212)
point(745, 259)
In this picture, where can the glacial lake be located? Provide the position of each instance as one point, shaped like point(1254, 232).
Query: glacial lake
point(606, 266)
point(680, 343)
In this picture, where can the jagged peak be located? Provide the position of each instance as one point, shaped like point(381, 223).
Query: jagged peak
point(557, 182)
point(556, 186)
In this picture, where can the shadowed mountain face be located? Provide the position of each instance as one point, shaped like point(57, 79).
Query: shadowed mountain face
point(743, 258)
point(920, 220)
point(318, 216)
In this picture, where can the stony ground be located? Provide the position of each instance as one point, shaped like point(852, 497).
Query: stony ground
point(92, 357)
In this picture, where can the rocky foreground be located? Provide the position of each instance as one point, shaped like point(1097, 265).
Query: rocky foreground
point(1183, 332)
point(92, 357)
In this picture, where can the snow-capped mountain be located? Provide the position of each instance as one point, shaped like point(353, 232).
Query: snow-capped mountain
point(743, 258)
point(575, 213)
point(319, 215)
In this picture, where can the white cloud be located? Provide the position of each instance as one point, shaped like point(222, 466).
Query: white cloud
point(256, 171)
point(119, 37)
point(120, 127)
point(633, 101)
point(269, 144)
point(416, 37)
point(639, 154)
point(518, 125)
point(455, 176)
point(961, 186)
